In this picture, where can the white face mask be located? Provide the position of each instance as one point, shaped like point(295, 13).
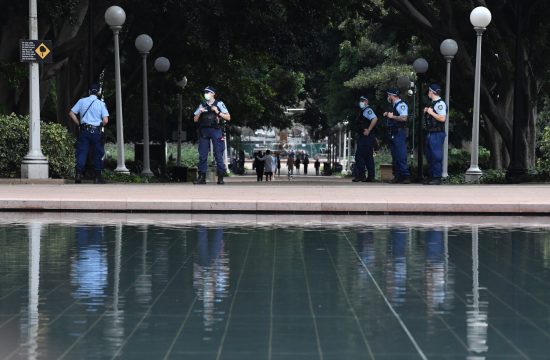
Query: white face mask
point(362, 105)
point(389, 99)
point(207, 96)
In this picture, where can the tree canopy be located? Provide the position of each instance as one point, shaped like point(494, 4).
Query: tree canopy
point(264, 56)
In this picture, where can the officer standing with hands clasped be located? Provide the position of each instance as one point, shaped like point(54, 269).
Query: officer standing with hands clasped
point(210, 116)
point(93, 116)
point(396, 121)
point(364, 155)
point(434, 123)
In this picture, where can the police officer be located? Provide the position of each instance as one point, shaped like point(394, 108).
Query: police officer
point(93, 116)
point(434, 123)
point(364, 155)
point(396, 121)
point(210, 116)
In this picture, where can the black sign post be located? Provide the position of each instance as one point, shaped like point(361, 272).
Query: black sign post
point(39, 51)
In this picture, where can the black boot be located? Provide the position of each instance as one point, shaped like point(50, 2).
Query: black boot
point(99, 178)
point(78, 178)
point(220, 178)
point(201, 179)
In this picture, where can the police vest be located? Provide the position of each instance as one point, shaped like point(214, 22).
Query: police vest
point(430, 123)
point(362, 122)
point(395, 123)
point(208, 118)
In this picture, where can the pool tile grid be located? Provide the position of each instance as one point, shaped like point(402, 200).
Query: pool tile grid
point(348, 301)
point(499, 277)
point(68, 307)
point(448, 327)
point(316, 319)
point(153, 303)
point(108, 310)
point(486, 289)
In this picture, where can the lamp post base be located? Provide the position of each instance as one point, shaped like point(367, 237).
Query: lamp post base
point(34, 168)
point(147, 172)
point(473, 174)
point(122, 169)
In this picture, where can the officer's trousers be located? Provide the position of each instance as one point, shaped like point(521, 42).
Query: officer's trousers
point(434, 153)
point(399, 153)
point(215, 136)
point(87, 139)
point(364, 156)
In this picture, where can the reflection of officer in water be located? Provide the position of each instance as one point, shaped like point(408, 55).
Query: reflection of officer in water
point(211, 272)
point(396, 121)
point(364, 155)
point(89, 269)
point(93, 116)
point(210, 116)
point(397, 284)
point(434, 123)
point(435, 272)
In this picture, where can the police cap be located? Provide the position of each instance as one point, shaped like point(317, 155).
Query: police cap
point(94, 88)
point(210, 89)
point(364, 97)
point(392, 91)
point(435, 88)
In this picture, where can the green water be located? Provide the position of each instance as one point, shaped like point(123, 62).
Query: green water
point(294, 291)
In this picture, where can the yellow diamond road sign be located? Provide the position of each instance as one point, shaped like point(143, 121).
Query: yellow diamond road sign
point(42, 51)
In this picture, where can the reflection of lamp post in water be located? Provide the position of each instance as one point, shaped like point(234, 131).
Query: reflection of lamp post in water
point(35, 230)
point(116, 331)
point(476, 314)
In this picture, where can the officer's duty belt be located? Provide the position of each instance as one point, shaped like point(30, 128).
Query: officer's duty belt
point(437, 129)
point(91, 128)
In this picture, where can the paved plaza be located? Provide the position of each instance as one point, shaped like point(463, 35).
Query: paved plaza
point(300, 195)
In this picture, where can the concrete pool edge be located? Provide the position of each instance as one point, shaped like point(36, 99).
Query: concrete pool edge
point(289, 199)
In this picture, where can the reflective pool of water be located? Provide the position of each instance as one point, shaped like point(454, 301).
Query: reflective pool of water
point(282, 289)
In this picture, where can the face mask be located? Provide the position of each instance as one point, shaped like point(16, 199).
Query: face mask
point(207, 96)
point(389, 99)
point(362, 105)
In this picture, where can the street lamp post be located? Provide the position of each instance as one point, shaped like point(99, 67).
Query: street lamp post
point(115, 18)
point(34, 164)
point(181, 84)
point(448, 49)
point(144, 44)
point(420, 66)
point(480, 17)
point(162, 65)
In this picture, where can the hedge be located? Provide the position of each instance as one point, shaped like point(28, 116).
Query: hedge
point(58, 145)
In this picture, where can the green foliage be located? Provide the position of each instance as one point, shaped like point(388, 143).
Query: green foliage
point(492, 176)
point(189, 155)
point(543, 162)
point(117, 177)
point(57, 146)
point(459, 160)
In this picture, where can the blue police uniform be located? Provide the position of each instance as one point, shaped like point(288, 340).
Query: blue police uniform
point(398, 136)
point(91, 111)
point(435, 137)
point(364, 154)
point(211, 130)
